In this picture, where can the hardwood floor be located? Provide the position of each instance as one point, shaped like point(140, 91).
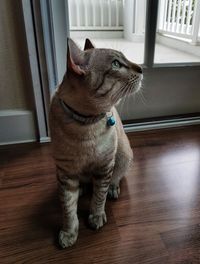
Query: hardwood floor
point(155, 220)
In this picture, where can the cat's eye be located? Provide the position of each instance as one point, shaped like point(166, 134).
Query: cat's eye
point(116, 64)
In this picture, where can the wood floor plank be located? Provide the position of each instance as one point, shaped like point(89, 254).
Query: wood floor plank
point(155, 220)
point(183, 243)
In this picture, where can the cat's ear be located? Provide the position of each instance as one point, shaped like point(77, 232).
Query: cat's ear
point(88, 44)
point(75, 58)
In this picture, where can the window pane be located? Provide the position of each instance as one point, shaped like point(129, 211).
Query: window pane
point(115, 24)
point(178, 33)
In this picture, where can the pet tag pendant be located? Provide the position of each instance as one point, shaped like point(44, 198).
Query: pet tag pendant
point(110, 119)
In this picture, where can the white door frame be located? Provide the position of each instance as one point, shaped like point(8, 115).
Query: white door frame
point(43, 28)
point(56, 30)
point(41, 117)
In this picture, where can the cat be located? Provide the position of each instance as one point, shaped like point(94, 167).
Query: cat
point(88, 140)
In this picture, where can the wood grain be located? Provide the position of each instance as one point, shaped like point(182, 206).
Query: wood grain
point(155, 220)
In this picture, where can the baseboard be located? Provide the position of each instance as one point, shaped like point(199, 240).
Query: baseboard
point(152, 125)
point(45, 139)
point(167, 123)
point(17, 126)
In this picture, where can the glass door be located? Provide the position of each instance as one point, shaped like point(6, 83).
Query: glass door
point(115, 24)
point(169, 89)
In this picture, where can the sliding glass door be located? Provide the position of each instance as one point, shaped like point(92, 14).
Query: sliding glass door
point(171, 85)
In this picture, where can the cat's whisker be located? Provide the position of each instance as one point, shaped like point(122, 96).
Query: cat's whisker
point(123, 103)
point(127, 93)
point(132, 96)
point(128, 105)
point(121, 92)
point(142, 98)
point(120, 106)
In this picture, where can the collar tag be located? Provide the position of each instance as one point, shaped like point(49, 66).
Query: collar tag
point(110, 119)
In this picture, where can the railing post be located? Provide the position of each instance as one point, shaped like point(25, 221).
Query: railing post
point(128, 19)
point(177, 27)
point(134, 19)
point(139, 16)
point(196, 23)
point(162, 14)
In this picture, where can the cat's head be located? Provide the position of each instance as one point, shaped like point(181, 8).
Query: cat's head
point(97, 79)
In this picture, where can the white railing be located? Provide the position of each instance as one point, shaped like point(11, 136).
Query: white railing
point(180, 18)
point(95, 15)
point(134, 19)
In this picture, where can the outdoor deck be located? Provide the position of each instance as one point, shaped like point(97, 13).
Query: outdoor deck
point(134, 51)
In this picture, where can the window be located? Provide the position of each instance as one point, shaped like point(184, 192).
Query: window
point(178, 32)
point(113, 24)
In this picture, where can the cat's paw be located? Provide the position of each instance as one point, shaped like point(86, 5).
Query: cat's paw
point(97, 221)
point(113, 191)
point(67, 239)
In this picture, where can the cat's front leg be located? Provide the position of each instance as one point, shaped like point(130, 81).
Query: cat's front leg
point(101, 181)
point(68, 193)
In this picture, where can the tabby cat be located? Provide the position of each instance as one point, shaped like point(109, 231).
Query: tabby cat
point(88, 139)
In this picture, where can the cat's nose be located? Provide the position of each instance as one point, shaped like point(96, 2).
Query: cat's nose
point(137, 68)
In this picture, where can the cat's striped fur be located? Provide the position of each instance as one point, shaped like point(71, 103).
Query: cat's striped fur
point(94, 152)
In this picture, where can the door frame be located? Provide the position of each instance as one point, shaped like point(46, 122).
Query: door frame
point(36, 73)
point(42, 29)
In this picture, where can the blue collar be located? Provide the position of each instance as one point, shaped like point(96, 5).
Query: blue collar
point(80, 117)
point(87, 120)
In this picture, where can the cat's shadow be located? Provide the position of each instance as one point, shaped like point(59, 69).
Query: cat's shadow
point(48, 217)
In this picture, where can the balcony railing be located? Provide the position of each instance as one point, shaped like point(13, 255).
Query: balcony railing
point(180, 18)
point(125, 16)
point(96, 15)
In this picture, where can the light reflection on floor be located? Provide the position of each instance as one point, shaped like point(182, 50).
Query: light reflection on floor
point(179, 172)
point(171, 178)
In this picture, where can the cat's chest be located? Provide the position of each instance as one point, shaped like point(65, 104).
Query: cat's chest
point(100, 144)
point(97, 152)
point(105, 143)
point(86, 150)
